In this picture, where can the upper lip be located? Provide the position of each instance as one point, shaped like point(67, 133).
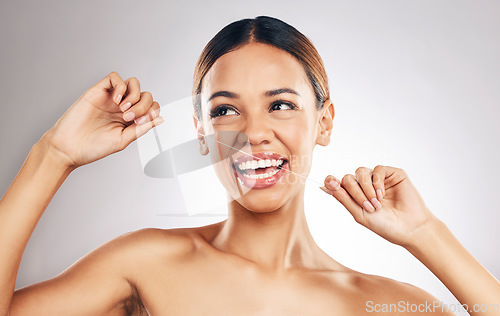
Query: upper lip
point(257, 156)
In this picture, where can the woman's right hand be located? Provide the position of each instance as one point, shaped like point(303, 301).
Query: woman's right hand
point(104, 120)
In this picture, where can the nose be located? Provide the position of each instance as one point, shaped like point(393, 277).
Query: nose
point(258, 130)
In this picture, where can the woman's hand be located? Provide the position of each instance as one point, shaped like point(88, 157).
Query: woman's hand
point(383, 200)
point(403, 218)
point(104, 120)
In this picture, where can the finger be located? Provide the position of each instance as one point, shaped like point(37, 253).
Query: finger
point(389, 176)
point(378, 177)
point(351, 185)
point(132, 95)
point(364, 178)
point(152, 113)
point(140, 108)
point(134, 131)
point(335, 189)
point(113, 82)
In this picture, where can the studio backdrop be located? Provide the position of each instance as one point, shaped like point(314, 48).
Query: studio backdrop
point(414, 85)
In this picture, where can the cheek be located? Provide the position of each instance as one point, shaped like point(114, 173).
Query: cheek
point(299, 141)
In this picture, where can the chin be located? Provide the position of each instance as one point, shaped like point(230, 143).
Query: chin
point(260, 205)
point(271, 199)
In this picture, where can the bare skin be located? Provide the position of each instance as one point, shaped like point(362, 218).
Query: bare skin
point(262, 260)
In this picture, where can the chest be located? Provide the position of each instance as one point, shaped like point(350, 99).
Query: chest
point(208, 292)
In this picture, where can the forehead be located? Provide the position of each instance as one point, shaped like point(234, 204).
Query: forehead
point(256, 68)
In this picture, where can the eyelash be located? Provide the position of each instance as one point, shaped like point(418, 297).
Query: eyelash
point(214, 113)
point(289, 104)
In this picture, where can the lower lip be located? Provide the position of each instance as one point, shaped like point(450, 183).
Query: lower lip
point(262, 183)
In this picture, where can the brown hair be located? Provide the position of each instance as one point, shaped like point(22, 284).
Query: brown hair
point(266, 30)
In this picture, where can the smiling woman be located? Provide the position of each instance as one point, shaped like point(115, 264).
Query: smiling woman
point(264, 80)
point(274, 105)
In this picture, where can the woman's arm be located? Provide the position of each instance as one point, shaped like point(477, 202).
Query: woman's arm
point(436, 247)
point(92, 286)
point(23, 204)
point(92, 128)
point(385, 201)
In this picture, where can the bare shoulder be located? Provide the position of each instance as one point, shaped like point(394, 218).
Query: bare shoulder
point(106, 278)
point(152, 242)
point(153, 236)
point(174, 243)
point(389, 287)
point(382, 294)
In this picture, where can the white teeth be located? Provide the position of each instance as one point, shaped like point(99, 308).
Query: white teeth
point(255, 164)
point(262, 163)
point(261, 175)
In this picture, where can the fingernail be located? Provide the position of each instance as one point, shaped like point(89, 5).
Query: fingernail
point(125, 106)
point(142, 119)
point(326, 190)
point(334, 184)
point(368, 206)
point(380, 196)
point(129, 116)
point(376, 203)
point(118, 99)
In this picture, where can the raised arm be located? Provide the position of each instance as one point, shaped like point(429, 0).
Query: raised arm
point(385, 201)
point(92, 128)
point(438, 249)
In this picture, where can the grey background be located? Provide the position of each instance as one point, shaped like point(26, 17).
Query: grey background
point(415, 84)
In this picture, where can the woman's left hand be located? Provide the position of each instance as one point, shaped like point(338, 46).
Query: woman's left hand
point(384, 200)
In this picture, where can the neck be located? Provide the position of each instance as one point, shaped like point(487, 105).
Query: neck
point(276, 240)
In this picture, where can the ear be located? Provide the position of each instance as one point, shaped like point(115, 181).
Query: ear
point(325, 123)
point(201, 135)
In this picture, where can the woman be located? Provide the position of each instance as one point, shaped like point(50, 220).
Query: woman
point(261, 78)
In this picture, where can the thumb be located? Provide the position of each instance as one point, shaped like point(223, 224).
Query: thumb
point(334, 188)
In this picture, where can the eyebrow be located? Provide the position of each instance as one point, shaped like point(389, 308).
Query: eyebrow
point(274, 92)
point(270, 93)
point(226, 94)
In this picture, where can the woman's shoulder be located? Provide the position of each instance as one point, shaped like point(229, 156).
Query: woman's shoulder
point(159, 241)
point(371, 282)
point(378, 292)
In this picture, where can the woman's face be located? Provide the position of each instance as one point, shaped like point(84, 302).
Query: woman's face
point(263, 93)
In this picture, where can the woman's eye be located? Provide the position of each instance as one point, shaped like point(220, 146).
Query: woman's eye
point(222, 111)
point(282, 106)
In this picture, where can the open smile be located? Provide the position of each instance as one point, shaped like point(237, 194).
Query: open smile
point(260, 170)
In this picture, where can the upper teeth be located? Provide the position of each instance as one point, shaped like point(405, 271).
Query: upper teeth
point(263, 163)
